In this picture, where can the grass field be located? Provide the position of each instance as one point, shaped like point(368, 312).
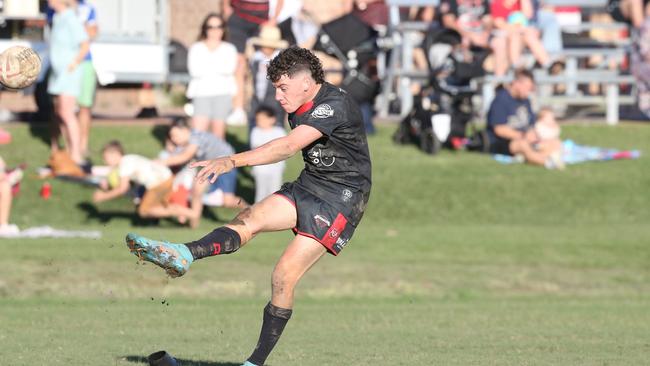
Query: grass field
point(458, 261)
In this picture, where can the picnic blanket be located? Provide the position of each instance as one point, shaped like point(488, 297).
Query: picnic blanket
point(50, 232)
point(573, 153)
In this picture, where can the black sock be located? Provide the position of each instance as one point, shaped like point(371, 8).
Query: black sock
point(275, 319)
point(223, 240)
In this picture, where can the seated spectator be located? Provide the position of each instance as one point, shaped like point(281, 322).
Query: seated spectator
point(156, 178)
point(629, 11)
point(192, 144)
point(546, 20)
point(212, 64)
point(510, 124)
point(512, 21)
point(268, 178)
point(268, 44)
point(471, 18)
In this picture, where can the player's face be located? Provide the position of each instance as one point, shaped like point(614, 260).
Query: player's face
point(291, 92)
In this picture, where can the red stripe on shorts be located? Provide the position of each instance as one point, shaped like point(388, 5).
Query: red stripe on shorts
point(334, 232)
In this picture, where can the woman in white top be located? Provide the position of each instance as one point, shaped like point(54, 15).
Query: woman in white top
point(212, 64)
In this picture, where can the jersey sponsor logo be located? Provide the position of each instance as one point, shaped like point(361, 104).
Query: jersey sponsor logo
point(334, 233)
point(318, 158)
point(346, 195)
point(323, 111)
point(321, 221)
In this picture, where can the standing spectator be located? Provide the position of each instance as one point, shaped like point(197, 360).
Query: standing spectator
point(268, 178)
point(512, 19)
point(269, 43)
point(244, 19)
point(212, 64)
point(511, 122)
point(88, 16)
point(68, 48)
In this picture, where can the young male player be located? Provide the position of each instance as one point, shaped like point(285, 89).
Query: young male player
point(323, 206)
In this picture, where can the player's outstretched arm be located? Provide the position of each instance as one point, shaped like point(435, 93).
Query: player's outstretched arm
point(271, 152)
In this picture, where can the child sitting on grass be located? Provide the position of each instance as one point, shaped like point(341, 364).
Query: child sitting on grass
point(156, 178)
point(192, 144)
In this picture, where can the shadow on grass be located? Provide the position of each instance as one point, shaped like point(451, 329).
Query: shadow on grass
point(103, 217)
point(182, 362)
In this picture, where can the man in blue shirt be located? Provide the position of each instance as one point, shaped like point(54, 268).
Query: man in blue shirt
point(511, 119)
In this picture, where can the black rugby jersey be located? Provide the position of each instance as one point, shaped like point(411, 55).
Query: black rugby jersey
point(337, 166)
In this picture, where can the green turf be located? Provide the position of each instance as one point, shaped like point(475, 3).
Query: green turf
point(458, 261)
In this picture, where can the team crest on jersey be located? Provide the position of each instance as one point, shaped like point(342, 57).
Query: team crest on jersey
point(323, 111)
point(346, 195)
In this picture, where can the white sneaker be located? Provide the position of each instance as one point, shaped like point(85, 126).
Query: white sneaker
point(237, 118)
point(9, 231)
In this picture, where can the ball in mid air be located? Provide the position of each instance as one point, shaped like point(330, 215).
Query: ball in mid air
point(19, 67)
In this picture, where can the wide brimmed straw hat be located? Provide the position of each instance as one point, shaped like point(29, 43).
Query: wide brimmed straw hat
point(270, 36)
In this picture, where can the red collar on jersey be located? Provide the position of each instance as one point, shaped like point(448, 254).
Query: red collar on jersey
point(304, 108)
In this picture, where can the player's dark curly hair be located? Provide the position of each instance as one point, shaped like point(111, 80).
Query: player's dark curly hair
point(293, 60)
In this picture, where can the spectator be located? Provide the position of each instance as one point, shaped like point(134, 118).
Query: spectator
point(471, 18)
point(88, 16)
point(546, 20)
point(68, 48)
point(629, 11)
point(212, 64)
point(156, 178)
point(269, 43)
point(192, 144)
point(268, 178)
point(510, 124)
point(6, 198)
point(244, 19)
point(512, 20)
point(372, 12)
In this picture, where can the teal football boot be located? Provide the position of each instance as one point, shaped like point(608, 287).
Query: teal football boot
point(175, 259)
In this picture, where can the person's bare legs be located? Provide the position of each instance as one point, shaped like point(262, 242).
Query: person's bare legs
point(240, 78)
point(532, 39)
point(200, 123)
point(499, 45)
point(196, 204)
point(85, 116)
point(66, 110)
point(297, 259)
point(523, 147)
point(515, 47)
point(5, 200)
point(172, 210)
point(218, 128)
point(231, 200)
point(634, 11)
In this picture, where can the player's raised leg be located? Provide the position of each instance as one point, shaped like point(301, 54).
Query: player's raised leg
point(274, 213)
point(300, 255)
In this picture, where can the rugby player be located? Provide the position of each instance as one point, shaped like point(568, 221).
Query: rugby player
point(323, 206)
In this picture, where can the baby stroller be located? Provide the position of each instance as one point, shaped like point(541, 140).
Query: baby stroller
point(354, 44)
point(444, 113)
